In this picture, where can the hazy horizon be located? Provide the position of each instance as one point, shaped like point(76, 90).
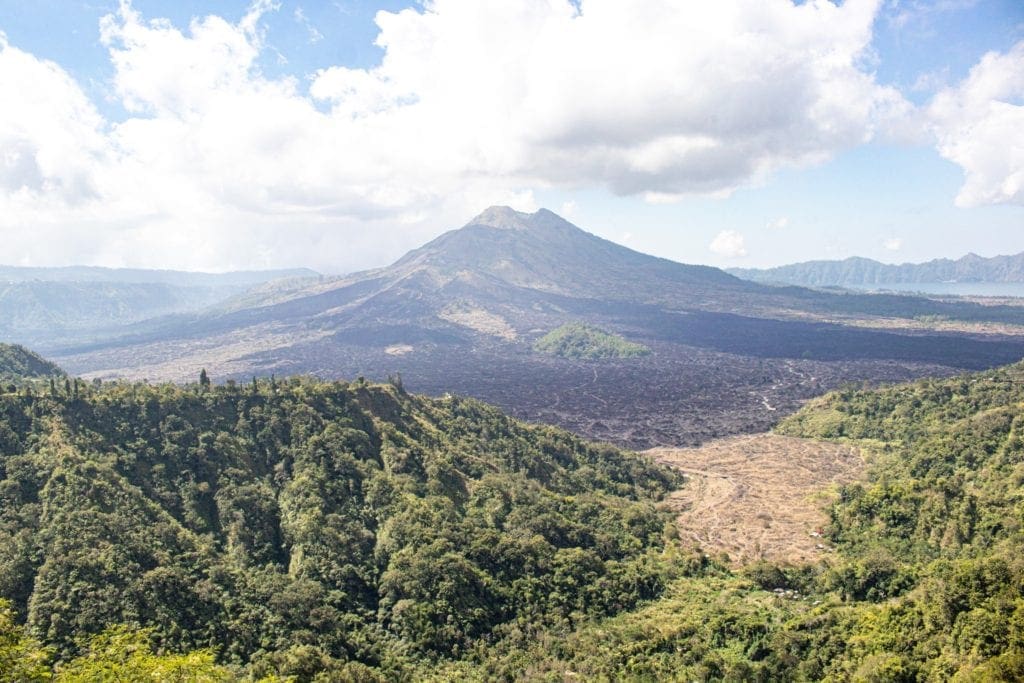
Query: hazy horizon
point(299, 266)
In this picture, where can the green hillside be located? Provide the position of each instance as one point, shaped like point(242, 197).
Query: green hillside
point(306, 526)
point(935, 537)
point(585, 342)
point(926, 582)
point(354, 532)
point(17, 362)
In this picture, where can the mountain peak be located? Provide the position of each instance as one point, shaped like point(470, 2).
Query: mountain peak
point(504, 217)
point(540, 221)
point(543, 251)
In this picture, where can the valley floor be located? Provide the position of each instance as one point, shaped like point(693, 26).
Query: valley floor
point(760, 496)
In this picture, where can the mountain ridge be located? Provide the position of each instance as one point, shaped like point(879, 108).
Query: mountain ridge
point(17, 362)
point(857, 270)
point(300, 516)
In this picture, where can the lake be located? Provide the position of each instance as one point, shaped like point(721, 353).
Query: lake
point(955, 288)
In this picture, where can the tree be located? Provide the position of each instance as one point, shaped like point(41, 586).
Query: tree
point(122, 653)
point(204, 380)
point(21, 657)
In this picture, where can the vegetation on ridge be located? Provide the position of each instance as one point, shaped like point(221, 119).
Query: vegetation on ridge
point(303, 527)
point(17, 362)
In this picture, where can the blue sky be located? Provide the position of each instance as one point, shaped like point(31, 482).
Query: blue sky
point(218, 135)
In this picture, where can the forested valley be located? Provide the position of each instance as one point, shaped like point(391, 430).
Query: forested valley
point(544, 341)
point(303, 530)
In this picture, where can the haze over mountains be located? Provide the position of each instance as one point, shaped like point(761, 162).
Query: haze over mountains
point(179, 278)
point(856, 271)
point(461, 313)
point(39, 305)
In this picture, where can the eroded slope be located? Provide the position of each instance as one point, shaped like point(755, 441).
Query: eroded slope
point(760, 496)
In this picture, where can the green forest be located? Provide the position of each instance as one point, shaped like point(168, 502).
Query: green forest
point(926, 582)
point(585, 342)
point(17, 362)
point(302, 527)
point(303, 530)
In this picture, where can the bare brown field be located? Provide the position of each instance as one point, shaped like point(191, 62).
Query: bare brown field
point(759, 496)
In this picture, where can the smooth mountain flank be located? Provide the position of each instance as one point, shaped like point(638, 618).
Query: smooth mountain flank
point(81, 304)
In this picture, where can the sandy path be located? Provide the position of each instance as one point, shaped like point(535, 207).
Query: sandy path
point(758, 496)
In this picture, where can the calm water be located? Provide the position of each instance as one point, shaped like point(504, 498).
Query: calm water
point(958, 288)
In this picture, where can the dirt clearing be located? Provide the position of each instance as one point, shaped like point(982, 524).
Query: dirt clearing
point(759, 496)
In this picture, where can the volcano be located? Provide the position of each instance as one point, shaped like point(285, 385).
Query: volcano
point(461, 314)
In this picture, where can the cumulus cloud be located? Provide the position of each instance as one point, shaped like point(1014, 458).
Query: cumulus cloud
point(893, 244)
point(777, 223)
point(473, 103)
point(51, 139)
point(729, 243)
point(978, 124)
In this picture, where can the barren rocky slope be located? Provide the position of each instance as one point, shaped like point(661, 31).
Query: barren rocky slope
point(461, 314)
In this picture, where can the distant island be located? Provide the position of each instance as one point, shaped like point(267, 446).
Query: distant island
point(857, 271)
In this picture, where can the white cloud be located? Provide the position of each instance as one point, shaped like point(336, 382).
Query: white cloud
point(904, 13)
point(729, 243)
point(51, 139)
point(474, 103)
point(568, 209)
point(893, 244)
point(777, 223)
point(979, 125)
point(930, 81)
point(314, 34)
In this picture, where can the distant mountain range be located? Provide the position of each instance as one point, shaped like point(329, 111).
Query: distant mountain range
point(179, 278)
point(461, 314)
point(38, 305)
point(856, 271)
